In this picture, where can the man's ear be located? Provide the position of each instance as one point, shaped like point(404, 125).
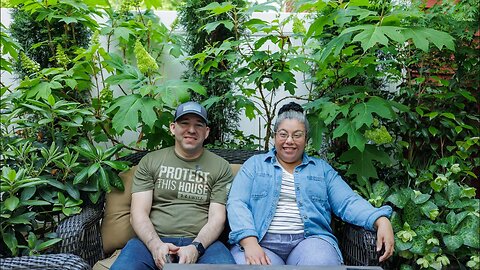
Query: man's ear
point(207, 132)
point(172, 128)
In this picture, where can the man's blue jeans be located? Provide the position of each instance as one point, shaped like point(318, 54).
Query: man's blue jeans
point(135, 255)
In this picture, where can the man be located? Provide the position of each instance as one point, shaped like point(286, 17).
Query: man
point(178, 200)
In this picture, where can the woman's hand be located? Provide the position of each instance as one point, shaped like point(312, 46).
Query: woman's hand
point(385, 237)
point(254, 253)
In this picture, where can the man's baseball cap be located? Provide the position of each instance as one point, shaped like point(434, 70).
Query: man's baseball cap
point(191, 107)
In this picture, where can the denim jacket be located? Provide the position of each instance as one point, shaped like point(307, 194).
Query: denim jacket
point(319, 189)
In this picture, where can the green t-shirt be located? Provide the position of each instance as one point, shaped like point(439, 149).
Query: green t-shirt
point(182, 190)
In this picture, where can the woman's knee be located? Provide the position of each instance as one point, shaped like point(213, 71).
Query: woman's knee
point(314, 251)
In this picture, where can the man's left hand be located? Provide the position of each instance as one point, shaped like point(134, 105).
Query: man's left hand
point(187, 254)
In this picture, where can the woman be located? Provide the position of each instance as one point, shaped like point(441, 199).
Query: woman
point(280, 204)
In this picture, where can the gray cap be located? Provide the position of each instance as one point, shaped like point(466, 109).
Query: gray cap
point(191, 107)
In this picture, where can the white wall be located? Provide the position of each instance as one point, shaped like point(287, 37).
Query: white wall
point(174, 69)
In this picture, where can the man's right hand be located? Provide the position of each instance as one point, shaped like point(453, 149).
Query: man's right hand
point(254, 253)
point(161, 251)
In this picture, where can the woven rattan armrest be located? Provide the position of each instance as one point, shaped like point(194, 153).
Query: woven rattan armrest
point(50, 262)
point(81, 234)
point(358, 245)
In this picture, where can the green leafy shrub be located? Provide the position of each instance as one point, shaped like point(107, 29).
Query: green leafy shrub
point(223, 117)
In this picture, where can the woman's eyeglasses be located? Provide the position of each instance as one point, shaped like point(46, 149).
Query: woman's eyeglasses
point(296, 136)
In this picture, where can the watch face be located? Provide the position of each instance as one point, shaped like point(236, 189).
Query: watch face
point(199, 247)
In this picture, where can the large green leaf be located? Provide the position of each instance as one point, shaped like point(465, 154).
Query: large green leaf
point(354, 137)
point(363, 162)
point(363, 112)
point(370, 35)
point(129, 110)
point(421, 37)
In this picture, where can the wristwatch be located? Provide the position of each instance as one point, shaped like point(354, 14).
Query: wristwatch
point(199, 247)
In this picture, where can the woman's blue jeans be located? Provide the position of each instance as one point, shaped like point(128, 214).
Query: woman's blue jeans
point(293, 249)
point(135, 255)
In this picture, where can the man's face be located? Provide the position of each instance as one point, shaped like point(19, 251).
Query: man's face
point(190, 132)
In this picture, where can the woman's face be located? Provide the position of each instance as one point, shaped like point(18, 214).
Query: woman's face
point(290, 140)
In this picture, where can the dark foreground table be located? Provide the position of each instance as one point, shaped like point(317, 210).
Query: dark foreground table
point(174, 266)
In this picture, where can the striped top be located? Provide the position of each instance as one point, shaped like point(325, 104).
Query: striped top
point(287, 218)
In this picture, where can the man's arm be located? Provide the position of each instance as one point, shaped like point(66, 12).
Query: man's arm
point(143, 227)
point(207, 235)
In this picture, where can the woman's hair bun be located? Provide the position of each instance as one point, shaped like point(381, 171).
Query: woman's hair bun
point(292, 106)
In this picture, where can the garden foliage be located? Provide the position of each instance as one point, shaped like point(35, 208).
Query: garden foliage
point(392, 98)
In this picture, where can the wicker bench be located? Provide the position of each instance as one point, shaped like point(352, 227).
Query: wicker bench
point(81, 233)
